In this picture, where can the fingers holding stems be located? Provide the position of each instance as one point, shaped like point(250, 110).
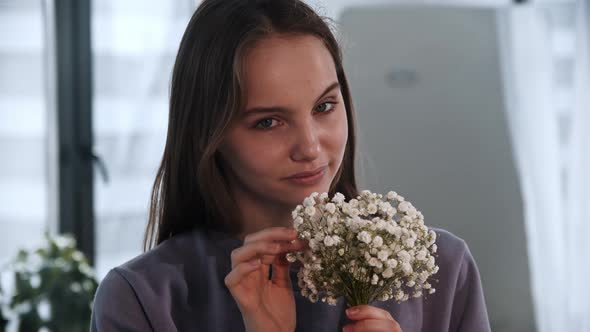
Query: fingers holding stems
point(370, 318)
point(260, 250)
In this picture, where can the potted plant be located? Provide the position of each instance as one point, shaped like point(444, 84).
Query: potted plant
point(3, 320)
point(53, 287)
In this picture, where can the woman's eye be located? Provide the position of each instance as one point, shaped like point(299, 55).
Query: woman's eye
point(325, 107)
point(265, 123)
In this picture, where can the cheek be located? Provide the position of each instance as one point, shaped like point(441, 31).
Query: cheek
point(339, 136)
point(251, 157)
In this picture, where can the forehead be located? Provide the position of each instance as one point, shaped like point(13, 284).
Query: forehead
point(284, 69)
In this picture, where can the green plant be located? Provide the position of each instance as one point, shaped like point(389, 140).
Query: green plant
point(3, 321)
point(53, 287)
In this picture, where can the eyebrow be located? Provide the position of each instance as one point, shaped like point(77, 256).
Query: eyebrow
point(279, 109)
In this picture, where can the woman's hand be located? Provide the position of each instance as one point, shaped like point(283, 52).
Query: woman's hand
point(266, 305)
point(370, 319)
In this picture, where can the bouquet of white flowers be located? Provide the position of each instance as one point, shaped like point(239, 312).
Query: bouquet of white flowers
point(365, 249)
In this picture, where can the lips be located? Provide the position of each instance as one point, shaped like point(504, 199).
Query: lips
point(307, 173)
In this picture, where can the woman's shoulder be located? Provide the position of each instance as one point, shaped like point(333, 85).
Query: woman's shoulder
point(449, 245)
point(175, 258)
point(161, 265)
point(155, 283)
point(453, 255)
point(171, 252)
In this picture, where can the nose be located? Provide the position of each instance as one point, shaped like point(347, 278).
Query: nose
point(307, 143)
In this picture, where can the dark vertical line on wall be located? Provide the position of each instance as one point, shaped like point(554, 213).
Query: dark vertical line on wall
point(74, 112)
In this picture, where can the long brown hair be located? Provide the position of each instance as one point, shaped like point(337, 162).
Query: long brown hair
point(190, 190)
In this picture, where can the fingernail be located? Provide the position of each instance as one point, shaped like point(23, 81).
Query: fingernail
point(255, 262)
point(352, 311)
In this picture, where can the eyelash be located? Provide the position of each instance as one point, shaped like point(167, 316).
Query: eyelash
point(333, 103)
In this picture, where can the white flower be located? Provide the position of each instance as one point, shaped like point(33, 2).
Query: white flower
point(388, 273)
point(297, 222)
point(409, 242)
point(375, 279)
point(87, 270)
point(35, 280)
point(372, 208)
point(332, 220)
point(76, 287)
point(407, 268)
point(338, 198)
point(403, 206)
point(364, 237)
point(404, 256)
point(336, 239)
point(319, 236)
point(346, 208)
point(374, 262)
point(64, 241)
point(391, 211)
point(430, 262)
point(44, 310)
point(434, 248)
point(383, 254)
point(313, 244)
point(310, 211)
point(308, 201)
point(323, 196)
point(340, 251)
point(392, 263)
point(329, 241)
point(377, 241)
point(421, 255)
point(391, 195)
point(399, 295)
point(331, 208)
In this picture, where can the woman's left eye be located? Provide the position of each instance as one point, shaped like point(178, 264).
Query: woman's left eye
point(325, 107)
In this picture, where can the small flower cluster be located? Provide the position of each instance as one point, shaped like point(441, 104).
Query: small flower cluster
point(369, 248)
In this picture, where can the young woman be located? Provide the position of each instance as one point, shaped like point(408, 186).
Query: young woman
point(260, 117)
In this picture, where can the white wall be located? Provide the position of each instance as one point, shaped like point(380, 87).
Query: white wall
point(428, 93)
point(334, 8)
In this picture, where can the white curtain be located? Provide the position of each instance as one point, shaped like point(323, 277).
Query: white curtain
point(134, 47)
point(545, 59)
point(579, 179)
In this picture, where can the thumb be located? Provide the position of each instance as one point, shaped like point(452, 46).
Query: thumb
point(280, 272)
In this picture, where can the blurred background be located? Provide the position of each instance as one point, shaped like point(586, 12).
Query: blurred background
point(474, 110)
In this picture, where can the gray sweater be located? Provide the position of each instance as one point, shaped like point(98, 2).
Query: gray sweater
point(179, 286)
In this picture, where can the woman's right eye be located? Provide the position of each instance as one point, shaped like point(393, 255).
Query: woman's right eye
point(265, 123)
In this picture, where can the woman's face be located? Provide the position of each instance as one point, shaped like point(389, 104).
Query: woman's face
point(294, 121)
